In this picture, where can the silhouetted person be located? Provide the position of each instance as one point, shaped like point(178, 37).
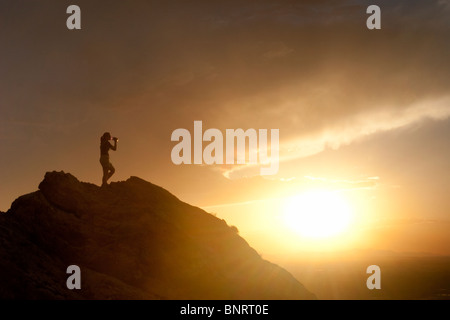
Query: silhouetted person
point(108, 169)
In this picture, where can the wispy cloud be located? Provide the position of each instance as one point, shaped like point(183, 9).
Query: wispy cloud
point(361, 126)
point(352, 129)
point(340, 184)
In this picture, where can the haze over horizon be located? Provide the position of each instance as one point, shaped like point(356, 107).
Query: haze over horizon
point(364, 114)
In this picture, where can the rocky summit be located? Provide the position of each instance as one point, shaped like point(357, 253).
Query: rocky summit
point(131, 240)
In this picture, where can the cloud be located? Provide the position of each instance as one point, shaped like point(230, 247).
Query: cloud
point(364, 125)
point(367, 183)
point(354, 128)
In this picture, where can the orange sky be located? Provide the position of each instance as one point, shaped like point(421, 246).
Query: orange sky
point(363, 113)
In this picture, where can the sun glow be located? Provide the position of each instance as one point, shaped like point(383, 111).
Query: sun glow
point(317, 214)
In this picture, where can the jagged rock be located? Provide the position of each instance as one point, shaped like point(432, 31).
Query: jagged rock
point(132, 240)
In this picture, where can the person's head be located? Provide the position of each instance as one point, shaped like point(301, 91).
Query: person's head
point(106, 136)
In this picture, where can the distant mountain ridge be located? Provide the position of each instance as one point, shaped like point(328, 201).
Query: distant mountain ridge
point(131, 240)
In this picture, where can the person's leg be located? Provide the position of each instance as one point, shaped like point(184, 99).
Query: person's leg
point(105, 176)
point(108, 169)
point(104, 169)
point(111, 171)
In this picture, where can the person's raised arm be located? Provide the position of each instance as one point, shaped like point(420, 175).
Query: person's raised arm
point(114, 147)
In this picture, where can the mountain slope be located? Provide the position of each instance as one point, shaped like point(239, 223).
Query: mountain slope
point(131, 240)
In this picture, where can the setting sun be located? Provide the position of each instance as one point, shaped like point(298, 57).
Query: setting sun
point(317, 214)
